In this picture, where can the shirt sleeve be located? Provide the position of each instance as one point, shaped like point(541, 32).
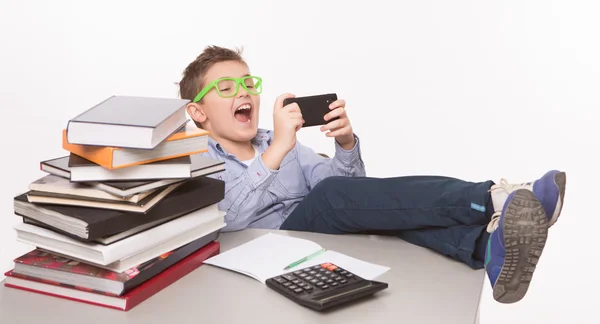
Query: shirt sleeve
point(347, 163)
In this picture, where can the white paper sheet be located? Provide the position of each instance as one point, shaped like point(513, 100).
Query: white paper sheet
point(268, 255)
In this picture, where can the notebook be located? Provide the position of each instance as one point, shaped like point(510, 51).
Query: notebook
point(267, 256)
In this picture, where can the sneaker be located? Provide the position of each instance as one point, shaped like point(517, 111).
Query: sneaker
point(518, 235)
point(549, 189)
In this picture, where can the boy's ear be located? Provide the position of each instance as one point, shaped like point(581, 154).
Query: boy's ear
point(196, 112)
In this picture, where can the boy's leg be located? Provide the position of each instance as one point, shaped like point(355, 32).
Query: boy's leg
point(353, 205)
point(444, 214)
point(521, 217)
point(465, 243)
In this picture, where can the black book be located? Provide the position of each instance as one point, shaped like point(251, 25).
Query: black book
point(90, 224)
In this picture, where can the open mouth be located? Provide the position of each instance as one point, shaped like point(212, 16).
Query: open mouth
point(243, 113)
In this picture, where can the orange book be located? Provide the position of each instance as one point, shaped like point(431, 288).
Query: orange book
point(187, 141)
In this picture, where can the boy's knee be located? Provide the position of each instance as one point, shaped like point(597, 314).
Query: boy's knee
point(331, 183)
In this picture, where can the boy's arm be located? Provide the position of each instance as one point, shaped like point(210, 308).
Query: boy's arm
point(346, 163)
point(244, 193)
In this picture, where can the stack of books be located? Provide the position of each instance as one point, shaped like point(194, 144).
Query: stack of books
point(127, 212)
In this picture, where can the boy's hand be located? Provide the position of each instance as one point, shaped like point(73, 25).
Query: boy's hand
point(286, 122)
point(340, 128)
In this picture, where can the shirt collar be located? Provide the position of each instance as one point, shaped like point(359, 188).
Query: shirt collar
point(262, 136)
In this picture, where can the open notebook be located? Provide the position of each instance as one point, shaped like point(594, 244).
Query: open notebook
point(268, 255)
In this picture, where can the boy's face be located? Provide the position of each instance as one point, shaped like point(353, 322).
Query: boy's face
point(234, 118)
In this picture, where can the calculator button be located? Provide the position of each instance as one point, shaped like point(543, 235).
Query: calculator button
point(349, 275)
point(302, 275)
point(279, 279)
point(287, 283)
point(339, 278)
point(343, 272)
point(343, 281)
point(312, 272)
point(319, 284)
point(314, 281)
point(309, 278)
point(288, 276)
point(292, 287)
point(296, 281)
point(298, 290)
point(324, 287)
point(329, 281)
point(333, 284)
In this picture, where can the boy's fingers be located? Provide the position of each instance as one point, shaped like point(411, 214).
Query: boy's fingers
point(338, 123)
point(338, 132)
point(297, 123)
point(337, 103)
point(293, 107)
point(335, 113)
point(296, 114)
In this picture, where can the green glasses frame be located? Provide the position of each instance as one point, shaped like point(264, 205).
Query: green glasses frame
point(257, 87)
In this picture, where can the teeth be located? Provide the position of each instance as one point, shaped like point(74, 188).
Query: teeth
point(245, 106)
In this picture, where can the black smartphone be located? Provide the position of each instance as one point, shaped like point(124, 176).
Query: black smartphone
point(314, 108)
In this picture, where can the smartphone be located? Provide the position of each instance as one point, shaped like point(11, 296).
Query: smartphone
point(314, 108)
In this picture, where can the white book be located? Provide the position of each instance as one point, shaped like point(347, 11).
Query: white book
point(122, 265)
point(145, 245)
point(128, 121)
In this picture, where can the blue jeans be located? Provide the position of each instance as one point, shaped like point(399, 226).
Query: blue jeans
point(444, 214)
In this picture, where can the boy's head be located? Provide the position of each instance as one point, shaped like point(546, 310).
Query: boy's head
point(225, 96)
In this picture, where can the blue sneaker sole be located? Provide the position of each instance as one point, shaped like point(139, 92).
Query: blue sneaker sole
point(525, 227)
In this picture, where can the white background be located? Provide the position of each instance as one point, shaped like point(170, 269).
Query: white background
point(472, 89)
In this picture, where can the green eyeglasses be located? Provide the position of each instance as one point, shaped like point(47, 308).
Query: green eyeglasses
point(229, 87)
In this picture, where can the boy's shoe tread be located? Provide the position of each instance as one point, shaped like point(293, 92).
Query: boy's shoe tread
point(525, 228)
point(561, 181)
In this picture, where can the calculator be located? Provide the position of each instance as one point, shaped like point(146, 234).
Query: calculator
point(323, 286)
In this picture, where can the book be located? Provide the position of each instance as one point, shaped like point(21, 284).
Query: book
point(188, 140)
point(51, 184)
point(131, 251)
point(68, 272)
point(83, 170)
point(128, 121)
point(89, 224)
point(142, 206)
point(130, 299)
point(199, 165)
point(268, 256)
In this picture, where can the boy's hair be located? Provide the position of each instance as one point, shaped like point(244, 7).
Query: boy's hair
point(193, 76)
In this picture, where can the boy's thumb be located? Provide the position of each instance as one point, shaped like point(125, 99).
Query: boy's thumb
point(281, 98)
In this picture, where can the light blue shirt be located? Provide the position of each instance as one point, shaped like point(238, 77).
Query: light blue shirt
point(256, 196)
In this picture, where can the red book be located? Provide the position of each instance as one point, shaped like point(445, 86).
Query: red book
point(129, 299)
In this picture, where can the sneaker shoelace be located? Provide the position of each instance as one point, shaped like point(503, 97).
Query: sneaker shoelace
point(508, 188)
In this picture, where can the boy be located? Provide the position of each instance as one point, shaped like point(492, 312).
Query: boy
point(272, 181)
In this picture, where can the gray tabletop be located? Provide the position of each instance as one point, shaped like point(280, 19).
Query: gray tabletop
point(424, 287)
